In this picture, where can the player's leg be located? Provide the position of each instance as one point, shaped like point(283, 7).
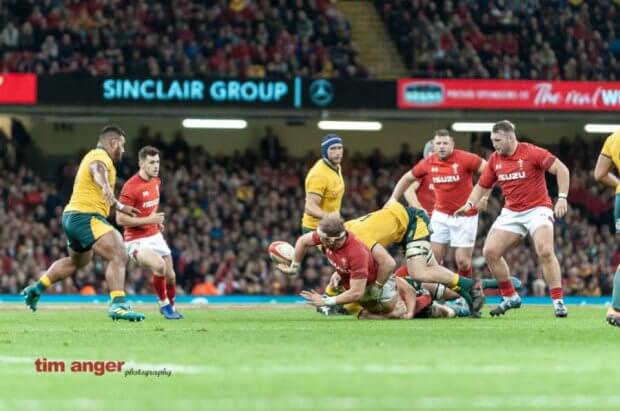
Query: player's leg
point(171, 285)
point(463, 255)
point(58, 271)
point(440, 235)
point(543, 244)
point(463, 232)
point(613, 313)
point(109, 245)
point(495, 246)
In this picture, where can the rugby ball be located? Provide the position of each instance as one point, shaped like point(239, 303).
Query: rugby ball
point(281, 252)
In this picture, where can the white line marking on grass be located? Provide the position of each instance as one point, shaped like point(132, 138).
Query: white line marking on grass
point(514, 401)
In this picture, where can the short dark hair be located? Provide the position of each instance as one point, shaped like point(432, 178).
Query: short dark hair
point(442, 132)
point(503, 126)
point(147, 151)
point(110, 129)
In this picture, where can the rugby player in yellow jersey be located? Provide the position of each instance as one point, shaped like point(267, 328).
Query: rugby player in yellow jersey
point(324, 184)
point(87, 230)
point(610, 157)
point(409, 227)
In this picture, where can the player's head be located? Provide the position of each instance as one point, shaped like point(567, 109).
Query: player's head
point(112, 140)
point(331, 231)
point(429, 149)
point(332, 148)
point(503, 137)
point(148, 159)
point(443, 143)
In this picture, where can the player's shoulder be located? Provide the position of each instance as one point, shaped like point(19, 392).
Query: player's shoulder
point(132, 181)
point(317, 167)
point(613, 138)
point(464, 155)
point(98, 154)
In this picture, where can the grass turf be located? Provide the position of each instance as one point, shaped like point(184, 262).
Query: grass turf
point(295, 359)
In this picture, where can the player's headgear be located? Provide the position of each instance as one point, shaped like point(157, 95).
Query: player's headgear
point(329, 140)
point(428, 149)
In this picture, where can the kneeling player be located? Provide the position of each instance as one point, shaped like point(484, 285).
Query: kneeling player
point(366, 277)
point(143, 238)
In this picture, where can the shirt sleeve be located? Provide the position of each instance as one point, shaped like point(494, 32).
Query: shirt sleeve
point(315, 238)
point(420, 169)
point(316, 184)
point(606, 150)
point(488, 176)
point(358, 262)
point(474, 162)
point(127, 197)
point(542, 157)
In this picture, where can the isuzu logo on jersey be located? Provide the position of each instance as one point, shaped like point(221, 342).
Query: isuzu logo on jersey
point(511, 176)
point(446, 179)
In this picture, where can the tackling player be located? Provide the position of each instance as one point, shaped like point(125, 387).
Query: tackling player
point(324, 184)
point(519, 170)
point(87, 230)
point(450, 171)
point(143, 238)
point(610, 157)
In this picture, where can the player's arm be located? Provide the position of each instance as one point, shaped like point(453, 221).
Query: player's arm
point(403, 184)
point(129, 221)
point(407, 293)
point(302, 245)
point(602, 172)
point(412, 197)
point(313, 205)
point(385, 264)
point(560, 171)
point(357, 287)
point(99, 173)
point(474, 198)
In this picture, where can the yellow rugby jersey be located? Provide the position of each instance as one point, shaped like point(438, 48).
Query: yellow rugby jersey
point(328, 183)
point(87, 196)
point(611, 149)
point(386, 226)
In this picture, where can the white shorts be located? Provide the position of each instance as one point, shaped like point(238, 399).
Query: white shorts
point(459, 231)
point(523, 222)
point(155, 242)
point(388, 291)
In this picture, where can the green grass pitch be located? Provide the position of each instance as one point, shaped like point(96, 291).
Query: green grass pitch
point(294, 359)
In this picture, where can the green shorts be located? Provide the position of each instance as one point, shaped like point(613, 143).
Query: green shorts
point(419, 227)
point(83, 229)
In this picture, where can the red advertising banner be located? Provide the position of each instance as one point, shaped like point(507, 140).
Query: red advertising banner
point(508, 95)
point(18, 88)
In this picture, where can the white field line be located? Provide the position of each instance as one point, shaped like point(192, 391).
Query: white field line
point(579, 402)
point(372, 369)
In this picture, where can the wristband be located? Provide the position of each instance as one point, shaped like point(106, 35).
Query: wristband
point(119, 205)
point(469, 203)
point(329, 301)
point(563, 195)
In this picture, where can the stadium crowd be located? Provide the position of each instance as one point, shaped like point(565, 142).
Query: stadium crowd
point(237, 38)
point(507, 39)
point(223, 211)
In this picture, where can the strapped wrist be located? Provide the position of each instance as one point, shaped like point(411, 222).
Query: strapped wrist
point(563, 195)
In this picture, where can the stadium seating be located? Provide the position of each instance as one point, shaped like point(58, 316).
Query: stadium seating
point(547, 40)
point(216, 245)
point(238, 38)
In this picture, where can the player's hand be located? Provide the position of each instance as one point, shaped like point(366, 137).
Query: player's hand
point(312, 298)
point(161, 228)
point(561, 207)
point(374, 292)
point(334, 281)
point(108, 196)
point(127, 209)
point(482, 204)
point(157, 218)
point(464, 209)
point(291, 269)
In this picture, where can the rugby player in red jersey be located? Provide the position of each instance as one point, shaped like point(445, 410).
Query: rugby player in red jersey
point(450, 171)
point(519, 170)
point(355, 265)
point(143, 238)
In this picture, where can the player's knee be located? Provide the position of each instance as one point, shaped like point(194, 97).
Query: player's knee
point(463, 264)
point(545, 252)
point(491, 253)
point(120, 257)
point(159, 267)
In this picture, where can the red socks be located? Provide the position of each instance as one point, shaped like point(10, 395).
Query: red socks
point(171, 290)
point(159, 285)
point(466, 273)
point(556, 293)
point(506, 289)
